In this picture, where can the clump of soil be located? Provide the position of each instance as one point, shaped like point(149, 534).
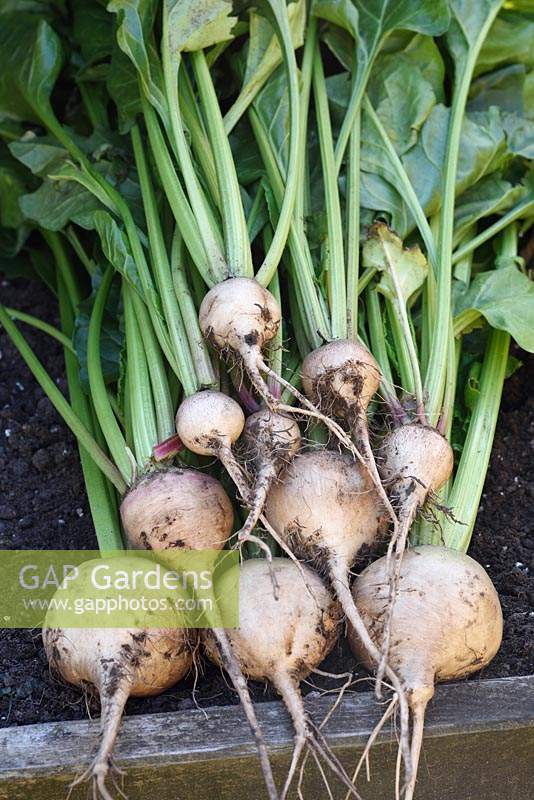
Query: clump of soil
point(43, 505)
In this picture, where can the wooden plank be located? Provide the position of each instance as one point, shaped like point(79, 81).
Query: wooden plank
point(479, 744)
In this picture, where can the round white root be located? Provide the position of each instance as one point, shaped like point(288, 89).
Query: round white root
point(281, 640)
point(180, 508)
point(446, 624)
point(118, 663)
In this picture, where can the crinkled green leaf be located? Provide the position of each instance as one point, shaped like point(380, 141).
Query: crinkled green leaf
point(403, 102)
point(505, 297)
point(407, 266)
point(195, 24)
point(30, 61)
point(14, 182)
point(111, 336)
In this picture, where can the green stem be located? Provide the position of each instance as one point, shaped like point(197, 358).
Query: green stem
point(302, 201)
point(464, 320)
point(74, 241)
point(37, 323)
point(163, 405)
point(143, 420)
point(376, 333)
point(176, 196)
point(336, 259)
point(353, 229)
point(366, 277)
point(199, 140)
point(437, 366)
point(353, 110)
point(468, 485)
point(301, 264)
point(404, 185)
point(162, 271)
point(400, 344)
point(471, 474)
point(238, 255)
point(521, 210)
point(100, 492)
point(197, 343)
point(104, 412)
point(274, 254)
point(207, 225)
point(60, 404)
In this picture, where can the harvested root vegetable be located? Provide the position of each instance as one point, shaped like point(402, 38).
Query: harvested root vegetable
point(446, 624)
point(341, 377)
point(177, 508)
point(281, 640)
point(271, 441)
point(326, 508)
point(239, 317)
point(189, 510)
point(209, 423)
point(416, 461)
point(116, 662)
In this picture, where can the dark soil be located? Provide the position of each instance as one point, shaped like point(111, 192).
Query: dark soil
point(43, 505)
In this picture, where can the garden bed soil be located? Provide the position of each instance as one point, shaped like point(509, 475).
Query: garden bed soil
point(43, 505)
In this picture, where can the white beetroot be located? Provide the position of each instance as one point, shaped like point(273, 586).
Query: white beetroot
point(282, 639)
point(181, 508)
point(326, 508)
point(118, 663)
point(446, 624)
point(342, 377)
point(190, 510)
point(239, 317)
point(416, 461)
point(270, 442)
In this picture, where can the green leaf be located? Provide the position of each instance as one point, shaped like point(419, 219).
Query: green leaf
point(135, 20)
point(30, 61)
point(195, 24)
point(55, 203)
point(14, 182)
point(40, 154)
point(272, 105)
point(264, 54)
point(505, 297)
point(407, 266)
point(111, 336)
point(467, 22)
point(116, 248)
point(123, 87)
point(503, 87)
point(91, 30)
point(371, 21)
point(509, 41)
point(403, 102)
point(519, 135)
point(491, 195)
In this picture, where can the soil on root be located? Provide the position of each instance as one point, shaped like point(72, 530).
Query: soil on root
point(43, 505)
